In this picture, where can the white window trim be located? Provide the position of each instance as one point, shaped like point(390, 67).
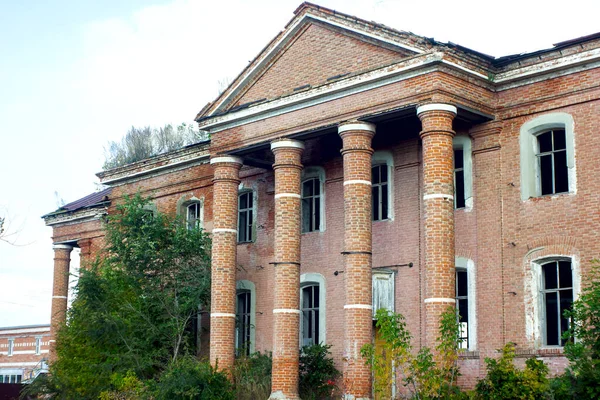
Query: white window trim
point(38, 345)
point(187, 200)
point(468, 265)
point(463, 142)
point(530, 174)
point(241, 190)
point(316, 172)
point(11, 347)
point(305, 280)
point(533, 284)
point(245, 285)
point(381, 158)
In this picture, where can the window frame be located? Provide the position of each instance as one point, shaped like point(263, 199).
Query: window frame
point(198, 220)
point(246, 286)
point(309, 173)
point(182, 208)
point(310, 279)
point(544, 291)
point(11, 347)
point(38, 345)
point(252, 228)
point(468, 265)
point(386, 158)
point(463, 142)
point(528, 142)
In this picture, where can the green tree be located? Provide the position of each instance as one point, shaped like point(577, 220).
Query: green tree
point(134, 304)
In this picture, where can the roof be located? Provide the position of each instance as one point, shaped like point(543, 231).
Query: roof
point(91, 200)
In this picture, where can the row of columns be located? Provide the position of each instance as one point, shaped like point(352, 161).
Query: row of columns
point(438, 193)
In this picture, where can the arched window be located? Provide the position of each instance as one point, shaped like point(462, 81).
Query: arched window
point(547, 156)
point(313, 200)
point(194, 215)
point(245, 317)
point(382, 186)
point(312, 308)
point(556, 297)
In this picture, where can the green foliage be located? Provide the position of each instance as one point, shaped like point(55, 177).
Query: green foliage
point(583, 340)
point(141, 143)
point(317, 372)
point(426, 376)
point(252, 376)
point(505, 381)
point(134, 303)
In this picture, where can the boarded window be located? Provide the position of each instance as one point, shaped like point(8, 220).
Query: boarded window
point(383, 291)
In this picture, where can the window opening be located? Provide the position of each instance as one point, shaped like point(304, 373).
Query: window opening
point(193, 216)
point(11, 346)
point(462, 306)
point(245, 218)
point(557, 295)
point(243, 322)
point(380, 198)
point(310, 315)
point(311, 205)
point(552, 162)
point(459, 179)
point(38, 345)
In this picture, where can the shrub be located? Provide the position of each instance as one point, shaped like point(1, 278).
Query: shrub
point(505, 381)
point(317, 372)
point(252, 376)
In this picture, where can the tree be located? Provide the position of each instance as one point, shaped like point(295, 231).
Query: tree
point(134, 304)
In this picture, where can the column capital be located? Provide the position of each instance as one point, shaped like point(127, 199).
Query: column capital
point(355, 126)
point(436, 107)
point(225, 159)
point(62, 247)
point(287, 143)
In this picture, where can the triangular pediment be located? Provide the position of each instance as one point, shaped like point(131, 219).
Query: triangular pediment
point(317, 47)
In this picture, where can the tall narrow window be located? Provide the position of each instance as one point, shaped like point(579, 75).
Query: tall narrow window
point(311, 205)
point(244, 325)
point(380, 198)
point(11, 346)
point(310, 314)
point(552, 162)
point(193, 217)
point(462, 306)
point(459, 179)
point(38, 345)
point(557, 296)
point(245, 217)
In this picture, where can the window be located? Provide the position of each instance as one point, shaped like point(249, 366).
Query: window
point(552, 162)
point(556, 297)
point(380, 196)
point(463, 182)
point(245, 217)
point(547, 156)
point(244, 325)
point(38, 345)
point(462, 306)
point(312, 309)
point(10, 378)
point(311, 205)
point(194, 216)
point(11, 346)
point(310, 314)
point(383, 289)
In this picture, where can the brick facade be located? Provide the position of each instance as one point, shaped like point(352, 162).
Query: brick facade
point(421, 97)
point(24, 352)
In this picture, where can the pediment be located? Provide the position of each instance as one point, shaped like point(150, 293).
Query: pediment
point(316, 48)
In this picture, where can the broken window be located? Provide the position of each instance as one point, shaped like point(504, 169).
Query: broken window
point(243, 322)
point(310, 301)
point(459, 179)
point(552, 162)
point(380, 196)
point(557, 296)
point(311, 205)
point(193, 216)
point(245, 217)
point(462, 306)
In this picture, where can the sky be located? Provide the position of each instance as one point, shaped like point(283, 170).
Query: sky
point(75, 74)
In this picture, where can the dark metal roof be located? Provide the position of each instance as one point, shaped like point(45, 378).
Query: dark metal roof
point(88, 201)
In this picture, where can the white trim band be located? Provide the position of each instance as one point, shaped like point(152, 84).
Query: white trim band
point(295, 144)
point(357, 181)
point(222, 314)
point(294, 195)
point(217, 230)
point(438, 196)
point(285, 311)
point(59, 297)
point(226, 159)
point(436, 107)
point(439, 300)
point(356, 126)
point(62, 246)
point(362, 306)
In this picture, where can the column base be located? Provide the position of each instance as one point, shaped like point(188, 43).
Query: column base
point(352, 397)
point(279, 395)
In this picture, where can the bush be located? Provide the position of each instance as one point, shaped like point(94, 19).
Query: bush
point(252, 376)
point(317, 372)
point(505, 381)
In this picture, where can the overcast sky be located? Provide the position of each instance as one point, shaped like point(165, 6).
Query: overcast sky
point(75, 74)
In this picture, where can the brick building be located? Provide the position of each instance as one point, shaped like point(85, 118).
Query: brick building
point(24, 351)
point(352, 166)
